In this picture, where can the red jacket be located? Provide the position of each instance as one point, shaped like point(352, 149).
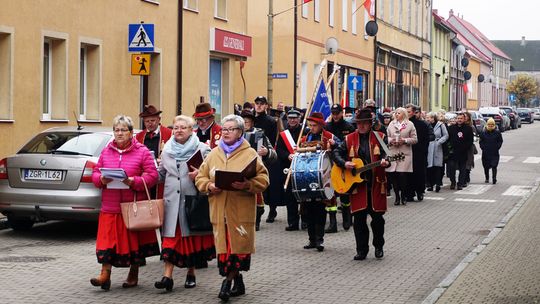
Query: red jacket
point(215, 135)
point(378, 185)
point(138, 163)
point(164, 133)
point(326, 136)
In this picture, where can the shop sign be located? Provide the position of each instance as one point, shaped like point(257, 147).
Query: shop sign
point(230, 43)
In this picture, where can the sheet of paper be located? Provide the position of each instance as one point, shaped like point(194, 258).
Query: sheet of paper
point(117, 175)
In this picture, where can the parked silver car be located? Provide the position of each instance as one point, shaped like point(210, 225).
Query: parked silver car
point(50, 177)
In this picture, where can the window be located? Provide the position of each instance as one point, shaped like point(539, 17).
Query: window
point(221, 9)
point(380, 8)
point(305, 8)
point(391, 15)
point(437, 86)
point(54, 77)
point(409, 16)
point(353, 18)
point(90, 79)
point(6, 81)
point(191, 5)
point(400, 12)
point(344, 14)
point(331, 7)
point(317, 13)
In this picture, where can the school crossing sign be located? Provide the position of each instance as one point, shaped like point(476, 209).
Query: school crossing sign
point(141, 38)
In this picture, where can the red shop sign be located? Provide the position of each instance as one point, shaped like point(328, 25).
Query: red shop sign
point(230, 43)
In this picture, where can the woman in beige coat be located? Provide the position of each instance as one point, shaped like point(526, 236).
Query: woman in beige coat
point(401, 136)
point(232, 213)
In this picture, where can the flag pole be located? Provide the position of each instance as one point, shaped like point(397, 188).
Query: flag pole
point(310, 106)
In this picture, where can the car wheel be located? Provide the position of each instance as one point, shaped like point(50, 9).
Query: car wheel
point(20, 223)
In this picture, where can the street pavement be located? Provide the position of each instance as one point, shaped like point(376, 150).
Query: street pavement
point(427, 244)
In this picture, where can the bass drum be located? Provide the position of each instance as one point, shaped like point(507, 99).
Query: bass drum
point(311, 176)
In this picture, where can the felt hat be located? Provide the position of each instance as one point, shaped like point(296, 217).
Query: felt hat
point(317, 117)
point(149, 110)
point(203, 110)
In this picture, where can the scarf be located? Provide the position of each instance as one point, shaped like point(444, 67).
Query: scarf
point(180, 151)
point(228, 149)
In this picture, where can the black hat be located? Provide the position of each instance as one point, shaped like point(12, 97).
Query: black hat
point(247, 105)
point(349, 110)
point(363, 115)
point(149, 110)
point(336, 108)
point(293, 113)
point(247, 113)
point(261, 99)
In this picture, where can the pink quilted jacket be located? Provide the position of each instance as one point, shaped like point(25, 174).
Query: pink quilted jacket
point(137, 161)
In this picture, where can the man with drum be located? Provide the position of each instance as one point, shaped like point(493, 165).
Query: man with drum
point(314, 209)
point(369, 196)
point(340, 128)
point(285, 148)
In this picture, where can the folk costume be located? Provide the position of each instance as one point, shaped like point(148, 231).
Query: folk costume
point(212, 134)
point(368, 197)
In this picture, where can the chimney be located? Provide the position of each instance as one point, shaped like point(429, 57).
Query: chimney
point(451, 13)
point(523, 41)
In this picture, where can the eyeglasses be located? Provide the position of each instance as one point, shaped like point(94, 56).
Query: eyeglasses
point(229, 130)
point(202, 119)
point(120, 130)
point(181, 128)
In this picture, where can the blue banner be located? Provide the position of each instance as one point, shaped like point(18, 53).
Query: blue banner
point(321, 103)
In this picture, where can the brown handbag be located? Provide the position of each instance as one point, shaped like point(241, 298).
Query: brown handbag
point(143, 215)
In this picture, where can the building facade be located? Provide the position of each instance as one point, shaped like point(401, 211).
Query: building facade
point(441, 49)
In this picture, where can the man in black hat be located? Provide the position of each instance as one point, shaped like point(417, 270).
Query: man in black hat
point(369, 196)
point(273, 194)
point(285, 148)
point(340, 128)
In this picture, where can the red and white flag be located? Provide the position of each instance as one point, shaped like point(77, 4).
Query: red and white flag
point(288, 140)
point(370, 8)
point(306, 1)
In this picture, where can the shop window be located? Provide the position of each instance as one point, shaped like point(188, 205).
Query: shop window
point(216, 86)
point(221, 9)
point(191, 5)
point(89, 82)
point(6, 75)
point(331, 6)
point(54, 81)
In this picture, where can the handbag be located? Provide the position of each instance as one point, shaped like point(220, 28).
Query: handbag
point(198, 213)
point(143, 215)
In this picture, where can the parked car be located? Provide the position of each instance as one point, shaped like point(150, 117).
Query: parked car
point(536, 113)
point(526, 114)
point(478, 121)
point(515, 120)
point(501, 118)
point(50, 177)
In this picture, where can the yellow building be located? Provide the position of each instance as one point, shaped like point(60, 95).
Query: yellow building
point(403, 52)
point(295, 76)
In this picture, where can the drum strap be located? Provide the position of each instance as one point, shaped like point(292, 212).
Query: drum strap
point(381, 142)
point(288, 140)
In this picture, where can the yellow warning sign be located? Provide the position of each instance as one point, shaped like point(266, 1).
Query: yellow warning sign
point(140, 64)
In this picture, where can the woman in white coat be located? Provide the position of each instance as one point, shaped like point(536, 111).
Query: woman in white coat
point(181, 247)
point(401, 136)
point(435, 153)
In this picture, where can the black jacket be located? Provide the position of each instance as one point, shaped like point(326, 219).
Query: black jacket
point(281, 148)
point(460, 140)
point(340, 129)
point(268, 125)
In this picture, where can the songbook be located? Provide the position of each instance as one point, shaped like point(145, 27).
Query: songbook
point(195, 160)
point(225, 178)
point(117, 175)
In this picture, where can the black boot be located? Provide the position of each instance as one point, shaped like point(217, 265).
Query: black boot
point(346, 214)
point(260, 212)
point(225, 292)
point(332, 227)
point(239, 288)
point(320, 237)
point(271, 215)
point(486, 173)
point(494, 175)
point(398, 200)
point(165, 283)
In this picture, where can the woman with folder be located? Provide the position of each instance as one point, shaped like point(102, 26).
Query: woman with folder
point(232, 212)
point(181, 246)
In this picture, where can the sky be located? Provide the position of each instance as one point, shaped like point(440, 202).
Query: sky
point(497, 19)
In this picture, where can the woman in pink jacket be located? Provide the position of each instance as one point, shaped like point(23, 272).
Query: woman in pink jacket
point(115, 245)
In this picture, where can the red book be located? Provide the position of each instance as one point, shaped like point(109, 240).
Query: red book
point(225, 178)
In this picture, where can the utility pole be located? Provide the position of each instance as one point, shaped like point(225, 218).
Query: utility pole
point(270, 85)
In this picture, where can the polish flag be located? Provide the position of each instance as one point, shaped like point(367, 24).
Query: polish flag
point(465, 88)
point(306, 1)
point(370, 8)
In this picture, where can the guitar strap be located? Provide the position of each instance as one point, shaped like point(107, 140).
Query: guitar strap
point(381, 142)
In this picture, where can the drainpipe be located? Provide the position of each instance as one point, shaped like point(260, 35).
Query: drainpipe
point(295, 52)
point(179, 57)
point(375, 58)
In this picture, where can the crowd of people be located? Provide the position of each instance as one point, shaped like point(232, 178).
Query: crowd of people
point(157, 157)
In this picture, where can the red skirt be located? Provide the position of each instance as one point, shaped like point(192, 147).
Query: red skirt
point(229, 262)
point(190, 251)
point(118, 246)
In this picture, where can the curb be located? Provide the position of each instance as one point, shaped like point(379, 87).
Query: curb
point(454, 274)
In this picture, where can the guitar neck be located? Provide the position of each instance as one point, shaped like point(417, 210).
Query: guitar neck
point(369, 166)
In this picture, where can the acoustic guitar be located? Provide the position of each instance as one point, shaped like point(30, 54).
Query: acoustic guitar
point(343, 179)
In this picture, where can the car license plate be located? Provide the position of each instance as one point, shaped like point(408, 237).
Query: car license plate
point(45, 175)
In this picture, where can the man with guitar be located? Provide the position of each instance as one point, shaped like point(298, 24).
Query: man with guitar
point(369, 196)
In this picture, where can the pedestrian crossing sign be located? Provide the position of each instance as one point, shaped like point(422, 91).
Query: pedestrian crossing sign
point(141, 38)
point(140, 64)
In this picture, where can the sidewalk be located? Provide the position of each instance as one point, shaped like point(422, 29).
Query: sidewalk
point(507, 270)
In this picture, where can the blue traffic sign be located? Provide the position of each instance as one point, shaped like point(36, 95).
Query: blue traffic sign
point(279, 75)
point(141, 37)
point(355, 83)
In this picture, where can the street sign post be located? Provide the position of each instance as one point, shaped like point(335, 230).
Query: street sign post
point(141, 38)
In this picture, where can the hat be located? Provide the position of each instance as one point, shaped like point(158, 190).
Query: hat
point(370, 103)
point(247, 104)
point(387, 115)
point(247, 113)
point(317, 117)
point(336, 108)
point(149, 110)
point(387, 110)
point(363, 115)
point(293, 113)
point(203, 110)
point(349, 110)
point(261, 99)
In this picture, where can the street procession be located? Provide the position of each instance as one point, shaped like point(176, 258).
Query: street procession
point(307, 151)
